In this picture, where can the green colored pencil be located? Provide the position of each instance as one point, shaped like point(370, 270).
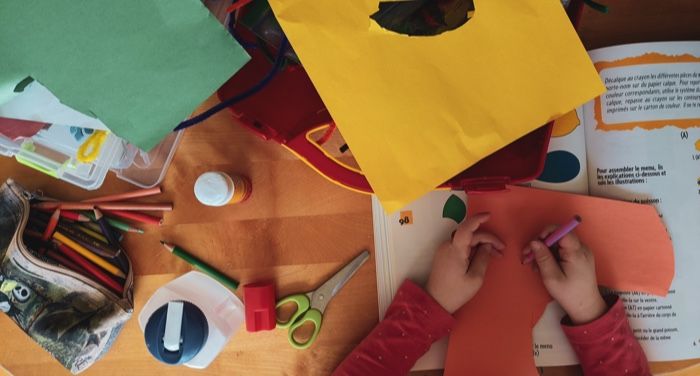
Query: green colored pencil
point(116, 223)
point(199, 264)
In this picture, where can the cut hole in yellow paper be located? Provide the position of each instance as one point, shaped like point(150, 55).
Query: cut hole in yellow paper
point(423, 17)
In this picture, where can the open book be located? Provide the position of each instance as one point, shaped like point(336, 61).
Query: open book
point(640, 142)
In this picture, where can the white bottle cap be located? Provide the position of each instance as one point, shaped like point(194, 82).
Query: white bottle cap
point(214, 189)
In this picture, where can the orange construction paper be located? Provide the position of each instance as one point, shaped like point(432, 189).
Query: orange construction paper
point(493, 334)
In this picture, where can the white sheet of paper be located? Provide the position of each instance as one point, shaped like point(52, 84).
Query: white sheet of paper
point(37, 103)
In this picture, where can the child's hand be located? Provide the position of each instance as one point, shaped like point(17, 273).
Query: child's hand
point(459, 265)
point(572, 280)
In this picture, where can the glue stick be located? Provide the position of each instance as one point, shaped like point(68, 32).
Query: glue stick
point(220, 189)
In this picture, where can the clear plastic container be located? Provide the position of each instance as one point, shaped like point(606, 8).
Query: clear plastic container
point(53, 152)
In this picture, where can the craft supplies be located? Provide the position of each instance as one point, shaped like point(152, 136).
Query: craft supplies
point(201, 265)
point(219, 189)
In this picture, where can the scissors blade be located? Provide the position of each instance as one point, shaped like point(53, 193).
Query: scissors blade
point(322, 295)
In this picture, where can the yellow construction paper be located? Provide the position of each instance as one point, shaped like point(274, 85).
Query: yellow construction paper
point(418, 110)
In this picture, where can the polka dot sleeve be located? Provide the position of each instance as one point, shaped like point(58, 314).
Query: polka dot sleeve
point(607, 346)
point(412, 323)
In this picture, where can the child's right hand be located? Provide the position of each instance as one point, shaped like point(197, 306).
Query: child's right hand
point(572, 280)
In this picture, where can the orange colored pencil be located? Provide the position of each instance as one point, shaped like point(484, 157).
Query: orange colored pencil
point(51, 226)
point(103, 206)
point(97, 260)
point(127, 195)
point(135, 216)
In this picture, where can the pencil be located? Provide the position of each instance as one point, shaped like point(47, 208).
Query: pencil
point(51, 226)
point(117, 224)
point(88, 267)
point(89, 255)
point(93, 245)
point(95, 228)
point(562, 231)
point(199, 264)
point(104, 226)
point(556, 236)
point(103, 206)
point(59, 258)
point(127, 195)
point(135, 216)
point(80, 233)
point(90, 232)
point(73, 216)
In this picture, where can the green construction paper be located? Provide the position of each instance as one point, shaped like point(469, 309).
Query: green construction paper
point(140, 66)
point(454, 209)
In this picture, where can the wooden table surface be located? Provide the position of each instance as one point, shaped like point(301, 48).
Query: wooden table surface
point(297, 229)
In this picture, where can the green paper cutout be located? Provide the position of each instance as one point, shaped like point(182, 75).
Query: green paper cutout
point(140, 66)
point(454, 209)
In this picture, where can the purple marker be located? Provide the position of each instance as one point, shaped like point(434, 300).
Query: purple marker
point(562, 231)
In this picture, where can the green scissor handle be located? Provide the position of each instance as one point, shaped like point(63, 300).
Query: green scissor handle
point(313, 315)
point(303, 304)
point(302, 315)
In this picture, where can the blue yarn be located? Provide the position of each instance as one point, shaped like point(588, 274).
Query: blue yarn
point(279, 62)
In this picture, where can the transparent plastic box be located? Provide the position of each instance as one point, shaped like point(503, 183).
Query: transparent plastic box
point(53, 151)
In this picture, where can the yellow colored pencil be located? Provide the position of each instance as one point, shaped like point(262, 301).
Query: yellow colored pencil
point(97, 260)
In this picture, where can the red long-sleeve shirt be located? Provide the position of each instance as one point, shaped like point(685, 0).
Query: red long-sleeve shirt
point(415, 320)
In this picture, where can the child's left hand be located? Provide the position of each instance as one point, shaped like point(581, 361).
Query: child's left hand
point(459, 265)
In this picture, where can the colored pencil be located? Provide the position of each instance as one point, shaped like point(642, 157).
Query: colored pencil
point(102, 263)
point(203, 267)
point(135, 216)
point(95, 228)
point(127, 195)
point(59, 258)
point(78, 233)
point(92, 233)
point(73, 216)
point(556, 236)
point(104, 226)
point(93, 245)
point(103, 206)
point(562, 231)
point(51, 226)
point(117, 224)
point(88, 267)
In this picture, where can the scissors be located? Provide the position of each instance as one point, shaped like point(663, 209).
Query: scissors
point(310, 306)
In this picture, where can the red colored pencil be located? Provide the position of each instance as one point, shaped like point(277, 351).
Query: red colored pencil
point(103, 206)
point(127, 195)
point(53, 222)
point(67, 214)
point(89, 267)
point(135, 216)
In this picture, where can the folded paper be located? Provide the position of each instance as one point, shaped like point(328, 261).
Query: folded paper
point(416, 111)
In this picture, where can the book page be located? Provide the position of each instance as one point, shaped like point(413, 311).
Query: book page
point(405, 247)
point(643, 144)
point(565, 170)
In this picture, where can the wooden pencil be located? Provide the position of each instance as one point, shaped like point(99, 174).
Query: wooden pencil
point(104, 226)
point(67, 214)
point(51, 226)
point(127, 195)
point(89, 267)
point(103, 206)
point(97, 260)
point(95, 228)
point(93, 245)
point(135, 216)
point(119, 225)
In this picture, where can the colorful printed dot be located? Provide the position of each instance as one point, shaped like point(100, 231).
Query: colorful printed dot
point(559, 167)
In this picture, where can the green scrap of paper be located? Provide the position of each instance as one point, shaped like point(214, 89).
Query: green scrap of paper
point(454, 209)
point(140, 66)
